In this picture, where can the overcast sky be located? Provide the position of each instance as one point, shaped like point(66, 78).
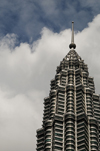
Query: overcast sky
point(34, 38)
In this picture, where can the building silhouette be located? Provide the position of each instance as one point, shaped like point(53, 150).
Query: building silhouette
point(71, 119)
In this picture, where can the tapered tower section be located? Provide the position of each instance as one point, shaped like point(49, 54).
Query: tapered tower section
point(71, 120)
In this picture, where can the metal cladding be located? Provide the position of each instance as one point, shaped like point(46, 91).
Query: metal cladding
point(71, 119)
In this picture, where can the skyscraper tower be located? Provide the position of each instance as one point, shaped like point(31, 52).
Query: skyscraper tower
point(71, 119)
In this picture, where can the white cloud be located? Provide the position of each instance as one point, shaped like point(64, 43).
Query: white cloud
point(20, 116)
point(25, 74)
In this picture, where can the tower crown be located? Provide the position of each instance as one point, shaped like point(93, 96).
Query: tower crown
point(72, 45)
point(71, 119)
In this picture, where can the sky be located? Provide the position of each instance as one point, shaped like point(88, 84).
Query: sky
point(34, 38)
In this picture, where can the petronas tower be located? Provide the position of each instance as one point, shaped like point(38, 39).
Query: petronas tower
point(71, 119)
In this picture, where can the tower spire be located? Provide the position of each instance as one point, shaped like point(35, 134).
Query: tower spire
point(72, 45)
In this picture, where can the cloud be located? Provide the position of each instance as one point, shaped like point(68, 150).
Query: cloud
point(25, 74)
point(19, 118)
point(26, 18)
point(23, 85)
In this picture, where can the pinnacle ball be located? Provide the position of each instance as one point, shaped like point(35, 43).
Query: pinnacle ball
point(72, 46)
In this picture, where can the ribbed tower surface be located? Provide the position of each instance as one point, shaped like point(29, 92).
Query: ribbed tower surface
point(71, 120)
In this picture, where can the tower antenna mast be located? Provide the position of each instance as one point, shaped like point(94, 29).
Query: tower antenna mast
point(72, 45)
